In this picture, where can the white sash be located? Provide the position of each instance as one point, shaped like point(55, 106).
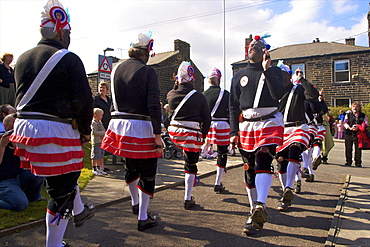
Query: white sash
point(182, 103)
point(257, 97)
point(40, 78)
point(114, 100)
point(217, 102)
point(289, 102)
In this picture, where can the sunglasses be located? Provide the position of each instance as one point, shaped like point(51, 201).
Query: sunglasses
point(297, 72)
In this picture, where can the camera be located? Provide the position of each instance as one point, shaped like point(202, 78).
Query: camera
point(8, 133)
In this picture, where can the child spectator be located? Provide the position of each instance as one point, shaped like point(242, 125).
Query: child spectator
point(97, 134)
point(335, 129)
point(340, 126)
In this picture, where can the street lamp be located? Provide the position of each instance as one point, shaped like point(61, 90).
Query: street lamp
point(108, 49)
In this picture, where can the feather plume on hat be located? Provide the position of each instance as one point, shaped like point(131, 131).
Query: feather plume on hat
point(284, 67)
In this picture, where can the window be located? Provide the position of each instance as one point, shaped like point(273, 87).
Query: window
point(296, 66)
point(341, 71)
point(342, 102)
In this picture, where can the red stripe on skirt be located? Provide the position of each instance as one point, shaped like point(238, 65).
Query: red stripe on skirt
point(29, 141)
point(184, 134)
point(128, 153)
point(47, 158)
point(132, 147)
point(52, 171)
point(127, 139)
point(219, 130)
point(251, 140)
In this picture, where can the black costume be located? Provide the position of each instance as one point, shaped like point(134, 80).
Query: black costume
point(65, 94)
point(220, 123)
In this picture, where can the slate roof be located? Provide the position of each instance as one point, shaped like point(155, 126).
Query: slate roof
point(312, 49)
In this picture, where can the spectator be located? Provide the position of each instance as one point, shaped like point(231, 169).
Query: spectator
point(166, 121)
point(7, 86)
point(353, 120)
point(4, 111)
point(103, 102)
point(17, 186)
point(341, 115)
point(97, 134)
point(340, 127)
point(335, 125)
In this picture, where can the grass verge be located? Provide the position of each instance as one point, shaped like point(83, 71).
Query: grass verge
point(36, 210)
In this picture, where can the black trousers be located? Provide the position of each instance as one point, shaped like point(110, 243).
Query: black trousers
point(145, 169)
point(61, 189)
point(222, 155)
point(258, 162)
point(191, 160)
point(351, 141)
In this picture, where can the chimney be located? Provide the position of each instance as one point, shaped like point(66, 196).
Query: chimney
point(247, 41)
point(350, 41)
point(183, 48)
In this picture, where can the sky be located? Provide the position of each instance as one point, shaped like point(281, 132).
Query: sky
point(97, 25)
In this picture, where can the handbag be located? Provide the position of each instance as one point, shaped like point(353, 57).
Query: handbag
point(363, 140)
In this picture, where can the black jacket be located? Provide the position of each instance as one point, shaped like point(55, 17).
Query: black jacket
point(211, 95)
point(242, 94)
point(303, 92)
point(136, 91)
point(64, 93)
point(195, 109)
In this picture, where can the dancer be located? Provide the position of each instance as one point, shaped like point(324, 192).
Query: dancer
point(296, 131)
point(54, 104)
point(134, 132)
point(218, 100)
point(189, 125)
point(256, 126)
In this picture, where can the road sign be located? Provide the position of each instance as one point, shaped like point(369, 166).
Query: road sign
point(105, 68)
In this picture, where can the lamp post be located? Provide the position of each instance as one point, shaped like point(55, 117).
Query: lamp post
point(108, 49)
point(121, 49)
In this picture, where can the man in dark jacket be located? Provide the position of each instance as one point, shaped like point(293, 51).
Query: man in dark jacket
point(352, 121)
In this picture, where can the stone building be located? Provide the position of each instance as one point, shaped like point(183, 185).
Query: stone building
point(166, 65)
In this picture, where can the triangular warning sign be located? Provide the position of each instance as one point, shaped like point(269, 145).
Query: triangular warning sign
point(104, 66)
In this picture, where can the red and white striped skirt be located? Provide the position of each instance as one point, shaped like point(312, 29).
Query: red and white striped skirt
point(188, 139)
point(300, 134)
point(130, 139)
point(261, 133)
point(48, 148)
point(321, 132)
point(219, 133)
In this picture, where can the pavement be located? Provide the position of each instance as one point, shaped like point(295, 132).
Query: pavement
point(332, 211)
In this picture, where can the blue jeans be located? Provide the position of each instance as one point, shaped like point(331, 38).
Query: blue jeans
point(17, 192)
